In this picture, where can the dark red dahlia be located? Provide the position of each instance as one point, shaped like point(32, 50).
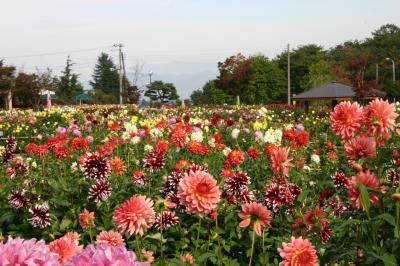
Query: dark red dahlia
point(100, 191)
point(39, 215)
point(394, 177)
point(279, 194)
point(95, 166)
point(236, 183)
point(340, 180)
point(154, 160)
point(166, 220)
point(171, 183)
point(18, 199)
point(9, 149)
point(139, 178)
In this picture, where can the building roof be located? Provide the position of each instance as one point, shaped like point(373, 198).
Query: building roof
point(334, 90)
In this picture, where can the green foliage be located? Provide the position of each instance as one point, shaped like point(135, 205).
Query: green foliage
point(267, 82)
point(105, 81)
point(319, 73)
point(69, 85)
point(161, 92)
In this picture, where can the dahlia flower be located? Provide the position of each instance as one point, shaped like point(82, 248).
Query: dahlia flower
point(95, 166)
point(369, 180)
point(340, 180)
point(281, 161)
point(380, 116)
point(65, 247)
point(235, 157)
point(147, 255)
point(299, 252)
point(18, 251)
point(166, 220)
point(347, 119)
point(104, 254)
point(257, 215)
point(154, 160)
point(135, 215)
point(100, 191)
point(360, 147)
point(199, 192)
point(110, 237)
point(39, 215)
point(86, 219)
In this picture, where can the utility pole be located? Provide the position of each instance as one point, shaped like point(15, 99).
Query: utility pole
point(377, 73)
point(288, 73)
point(125, 80)
point(120, 70)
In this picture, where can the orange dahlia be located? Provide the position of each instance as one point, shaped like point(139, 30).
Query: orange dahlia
point(65, 247)
point(110, 237)
point(299, 252)
point(257, 215)
point(369, 180)
point(235, 157)
point(135, 215)
point(281, 161)
point(199, 192)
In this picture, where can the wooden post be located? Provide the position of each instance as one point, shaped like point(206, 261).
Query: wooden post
point(9, 101)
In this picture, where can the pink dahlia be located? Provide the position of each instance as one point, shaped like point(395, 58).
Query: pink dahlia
point(135, 215)
point(347, 119)
point(380, 116)
point(104, 254)
point(281, 161)
point(360, 147)
point(369, 180)
point(26, 252)
point(198, 191)
point(257, 215)
point(299, 252)
point(65, 247)
point(112, 238)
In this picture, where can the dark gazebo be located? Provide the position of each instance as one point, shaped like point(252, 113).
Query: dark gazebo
point(334, 91)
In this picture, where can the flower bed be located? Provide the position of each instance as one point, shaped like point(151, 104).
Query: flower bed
point(110, 185)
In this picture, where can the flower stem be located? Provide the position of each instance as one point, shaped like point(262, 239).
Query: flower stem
point(198, 235)
point(219, 242)
point(252, 245)
point(161, 238)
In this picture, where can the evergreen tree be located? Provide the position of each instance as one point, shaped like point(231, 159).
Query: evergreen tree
point(69, 85)
point(106, 78)
point(162, 92)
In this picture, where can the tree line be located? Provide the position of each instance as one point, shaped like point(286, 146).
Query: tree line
point(257, 79)
point(26, 89)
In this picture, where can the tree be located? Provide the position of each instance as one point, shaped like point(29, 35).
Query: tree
point(68, 87)
point(319, 73)
point(234, 75)
point(161, 92)
point(7, 80)
point(106, 78)
point(267, 83)
point(205, 95)
point(301, 59)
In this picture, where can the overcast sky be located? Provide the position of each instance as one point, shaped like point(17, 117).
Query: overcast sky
point(181, 41)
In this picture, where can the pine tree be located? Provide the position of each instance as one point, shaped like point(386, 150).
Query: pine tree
point(106, 78)
point(69, 85)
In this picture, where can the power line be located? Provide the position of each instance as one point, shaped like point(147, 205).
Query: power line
point(57, 53)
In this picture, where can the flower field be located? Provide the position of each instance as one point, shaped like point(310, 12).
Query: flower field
point(248, 185)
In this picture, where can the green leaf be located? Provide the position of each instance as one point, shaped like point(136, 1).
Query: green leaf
point(205, 256)
point(387, 217)
point(65, 223)
point(364, 197)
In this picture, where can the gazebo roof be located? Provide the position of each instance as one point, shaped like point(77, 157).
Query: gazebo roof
point(334, 91)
